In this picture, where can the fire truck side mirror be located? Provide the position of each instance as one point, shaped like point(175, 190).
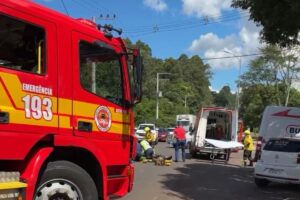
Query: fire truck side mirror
point(137, 75)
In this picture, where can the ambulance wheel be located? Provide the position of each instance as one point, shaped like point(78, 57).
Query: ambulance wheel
point(261, 182)
point(227, 155)
point(64, 180)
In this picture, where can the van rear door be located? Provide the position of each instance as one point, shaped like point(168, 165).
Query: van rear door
point(201, 130)
point(234, 124)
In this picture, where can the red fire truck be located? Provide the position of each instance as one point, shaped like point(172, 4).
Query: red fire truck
point(67, 88)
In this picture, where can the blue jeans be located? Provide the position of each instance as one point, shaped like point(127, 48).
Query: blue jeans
point(149, 153)
point(180, 144)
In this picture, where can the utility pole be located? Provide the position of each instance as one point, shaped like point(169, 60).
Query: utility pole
point(158, 94)
point(237, 99)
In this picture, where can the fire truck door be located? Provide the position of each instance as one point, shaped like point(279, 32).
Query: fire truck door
point(99, 83)
point(28, 84)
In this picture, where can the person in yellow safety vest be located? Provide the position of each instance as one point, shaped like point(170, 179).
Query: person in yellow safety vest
point(149, 136)
point(146, 149)
point(248, 148)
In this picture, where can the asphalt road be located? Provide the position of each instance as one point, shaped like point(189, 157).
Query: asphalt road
point(201, 179)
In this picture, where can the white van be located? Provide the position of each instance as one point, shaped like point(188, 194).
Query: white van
point(215, 132)
point(277, 122)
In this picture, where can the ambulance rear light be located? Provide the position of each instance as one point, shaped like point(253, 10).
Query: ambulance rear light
point(259, 143)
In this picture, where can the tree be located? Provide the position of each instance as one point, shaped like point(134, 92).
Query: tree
point(279, 19)
point(185, 91)
point(268, 81)
point(276, 67)
point(225, 98)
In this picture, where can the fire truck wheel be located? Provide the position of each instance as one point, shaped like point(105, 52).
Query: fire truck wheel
point(64, 180)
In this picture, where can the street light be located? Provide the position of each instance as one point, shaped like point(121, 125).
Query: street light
point(237, 99)
point(158, 94)
point(186, 97)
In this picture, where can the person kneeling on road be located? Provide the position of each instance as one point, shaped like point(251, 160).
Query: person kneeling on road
point(248, 148)
point(147, 149)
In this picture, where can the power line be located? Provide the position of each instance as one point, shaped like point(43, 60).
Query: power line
point(65, 7)
point(87, 6)
point(237, 56)
point(247, 55)
point(205, 19)
point(186, 25)
point(183, 27)
point(93, 7)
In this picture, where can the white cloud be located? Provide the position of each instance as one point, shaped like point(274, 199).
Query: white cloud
point(249, 35)
point(203, 8)
point(212, 41)
point(158, 5)
point(213, 89)
point(210, 45)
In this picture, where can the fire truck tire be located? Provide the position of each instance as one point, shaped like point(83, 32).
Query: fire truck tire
point(64, 180)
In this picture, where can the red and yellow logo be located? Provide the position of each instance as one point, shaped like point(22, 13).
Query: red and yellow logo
point(103, 118)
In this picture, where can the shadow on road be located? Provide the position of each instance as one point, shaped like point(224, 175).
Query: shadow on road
point(203, 180)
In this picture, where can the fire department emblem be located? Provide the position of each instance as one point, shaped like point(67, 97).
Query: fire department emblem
point(103, 118)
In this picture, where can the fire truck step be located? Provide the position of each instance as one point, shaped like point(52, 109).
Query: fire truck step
point(12, 185)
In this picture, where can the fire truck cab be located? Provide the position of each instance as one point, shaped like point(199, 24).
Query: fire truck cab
point(67, 88)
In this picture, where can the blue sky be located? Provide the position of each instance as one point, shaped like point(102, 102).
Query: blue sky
point(173, 27)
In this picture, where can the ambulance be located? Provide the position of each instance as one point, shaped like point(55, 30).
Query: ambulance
point(215, 133)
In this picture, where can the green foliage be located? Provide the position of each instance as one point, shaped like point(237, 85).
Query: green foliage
point(184, 90)
point(268, 82)
point(279, 19)
point(225, 98)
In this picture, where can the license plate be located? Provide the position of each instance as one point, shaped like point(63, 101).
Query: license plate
point(275, 171)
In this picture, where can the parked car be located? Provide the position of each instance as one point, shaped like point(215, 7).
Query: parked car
point(170, 137)
point(140, 133)
point(162, 135)
point(279, 162)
